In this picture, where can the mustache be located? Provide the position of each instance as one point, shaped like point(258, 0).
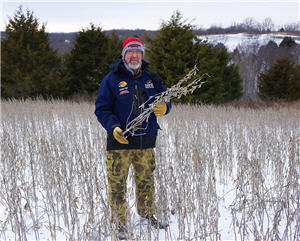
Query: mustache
point(134, 59)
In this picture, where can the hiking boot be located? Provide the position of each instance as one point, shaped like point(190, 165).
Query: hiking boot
point(122, 233)
point(155, 223)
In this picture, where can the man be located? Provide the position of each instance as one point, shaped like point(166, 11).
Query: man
point(129, 84)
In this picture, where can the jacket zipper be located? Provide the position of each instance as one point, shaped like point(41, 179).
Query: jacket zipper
point(138, 109)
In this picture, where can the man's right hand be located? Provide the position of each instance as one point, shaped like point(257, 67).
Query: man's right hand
point(117, 132)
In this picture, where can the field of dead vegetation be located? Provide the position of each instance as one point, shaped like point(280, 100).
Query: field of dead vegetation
point(222, 173)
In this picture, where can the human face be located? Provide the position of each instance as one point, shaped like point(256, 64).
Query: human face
point(133, 58)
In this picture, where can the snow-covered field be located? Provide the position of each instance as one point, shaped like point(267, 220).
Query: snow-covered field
point(222, 173)
point(232, 41)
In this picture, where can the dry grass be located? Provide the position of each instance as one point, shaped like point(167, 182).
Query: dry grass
point(209, 159)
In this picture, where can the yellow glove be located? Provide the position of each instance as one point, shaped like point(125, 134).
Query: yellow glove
point(160, 109)
point(118, 135)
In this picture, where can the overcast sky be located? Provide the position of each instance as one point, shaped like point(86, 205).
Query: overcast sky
point(72, 16)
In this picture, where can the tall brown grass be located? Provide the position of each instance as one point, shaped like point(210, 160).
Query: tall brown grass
point(209, 159)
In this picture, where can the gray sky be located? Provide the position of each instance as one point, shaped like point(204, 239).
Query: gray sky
point(72, 16)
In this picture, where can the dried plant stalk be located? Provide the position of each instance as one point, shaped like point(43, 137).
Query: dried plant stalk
point(176, 91)
point(221, 173)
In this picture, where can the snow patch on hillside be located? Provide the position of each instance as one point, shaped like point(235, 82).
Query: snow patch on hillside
point(231, 41)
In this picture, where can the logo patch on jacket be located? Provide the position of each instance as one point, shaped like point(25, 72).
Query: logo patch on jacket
point(122, 84)
point(149, 84)
point(124, 92)
point(123, 88)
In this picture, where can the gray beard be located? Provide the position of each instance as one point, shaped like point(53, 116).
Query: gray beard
point(134, 66)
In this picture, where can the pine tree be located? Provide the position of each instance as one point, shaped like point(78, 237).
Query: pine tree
point(89, 60)
point(114, 48)
point(170, 52)
point(287, 42)
point(175, 49)
point(224, 83)
point(281, 81)
point(30, 68)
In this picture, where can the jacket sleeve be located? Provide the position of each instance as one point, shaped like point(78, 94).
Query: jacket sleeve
point(104, 106)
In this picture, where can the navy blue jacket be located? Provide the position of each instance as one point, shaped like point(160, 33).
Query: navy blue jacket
point(119, 96)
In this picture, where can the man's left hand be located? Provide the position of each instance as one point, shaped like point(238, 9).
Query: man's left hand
point(160, 109)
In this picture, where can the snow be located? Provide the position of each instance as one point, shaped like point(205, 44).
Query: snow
point(231, 41)
point(203, 163)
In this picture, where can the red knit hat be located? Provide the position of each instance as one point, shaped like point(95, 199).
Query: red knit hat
point(132, 43)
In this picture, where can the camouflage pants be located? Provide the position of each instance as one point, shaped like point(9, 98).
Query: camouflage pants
point(117, 164)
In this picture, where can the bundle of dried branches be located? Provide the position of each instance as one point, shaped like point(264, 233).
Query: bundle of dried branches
point(178, 90)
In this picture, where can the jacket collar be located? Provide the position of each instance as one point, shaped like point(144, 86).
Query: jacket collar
point(118, 65)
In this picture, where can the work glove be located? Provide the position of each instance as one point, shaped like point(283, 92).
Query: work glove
point(117, 132)
point(160, 109)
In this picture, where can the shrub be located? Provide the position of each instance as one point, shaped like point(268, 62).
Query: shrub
point(30, 68)
point(174, 51)
point(282, 81)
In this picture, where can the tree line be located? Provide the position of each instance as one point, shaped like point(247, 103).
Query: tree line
point(254, 61)
point(31, 68)
point(251, 26)
point(63, 42)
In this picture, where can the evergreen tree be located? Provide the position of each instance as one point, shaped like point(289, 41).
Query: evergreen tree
point(287, 42)
point(175, 49)
point(114, 48)
point(171, 52)
point(224, 83)
point(281, 81)
point(30, 67)
point(88, 61)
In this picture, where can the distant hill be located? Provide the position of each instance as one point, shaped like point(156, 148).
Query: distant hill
point(64, 42)
point(232, 41)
